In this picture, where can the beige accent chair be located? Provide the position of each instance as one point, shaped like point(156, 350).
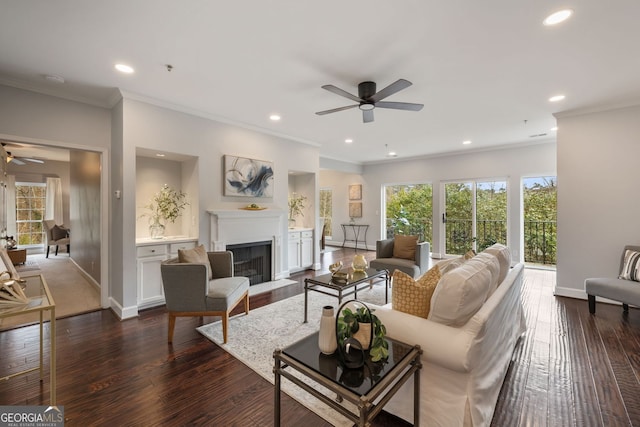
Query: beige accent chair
point(386, 261)
point(49, 224)
point(188, 291)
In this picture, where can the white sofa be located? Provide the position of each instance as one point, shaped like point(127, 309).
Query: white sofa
point(463, 366)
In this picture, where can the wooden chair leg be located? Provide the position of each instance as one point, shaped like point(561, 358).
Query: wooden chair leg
point(246, 303)
point(48, 247)
point(56, 250)
point(225, 325)
point(625, 307)
point(592, 304)
point(172, 325)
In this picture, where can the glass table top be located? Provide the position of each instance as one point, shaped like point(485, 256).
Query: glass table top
point(360, 380)
point(38, 298)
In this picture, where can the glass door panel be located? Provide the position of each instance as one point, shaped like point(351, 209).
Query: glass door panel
point(491, 214)
point(458, 217)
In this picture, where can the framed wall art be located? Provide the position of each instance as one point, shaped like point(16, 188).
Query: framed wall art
point(355, 209)
point(245, 177)
point(355, 192)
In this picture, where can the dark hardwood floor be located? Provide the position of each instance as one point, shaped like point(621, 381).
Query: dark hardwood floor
point(570, 368)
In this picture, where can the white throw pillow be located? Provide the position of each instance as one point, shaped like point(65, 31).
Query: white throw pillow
point(493, 265)
point(460, 293)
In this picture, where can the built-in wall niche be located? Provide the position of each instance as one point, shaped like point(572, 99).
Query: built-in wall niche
point(180, 172)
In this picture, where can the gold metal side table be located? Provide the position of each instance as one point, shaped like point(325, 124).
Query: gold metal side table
point(40, 300)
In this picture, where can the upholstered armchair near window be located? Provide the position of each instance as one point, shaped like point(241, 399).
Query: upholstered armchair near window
point(206, 287)
point(56, 236)
point(402, 253)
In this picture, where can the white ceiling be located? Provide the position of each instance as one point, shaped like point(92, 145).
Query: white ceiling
point(483, 70)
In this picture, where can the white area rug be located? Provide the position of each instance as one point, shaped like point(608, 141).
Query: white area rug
point(253, 338)
point(261, 288)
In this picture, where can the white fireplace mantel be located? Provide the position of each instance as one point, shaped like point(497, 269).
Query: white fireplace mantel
point(232, 227)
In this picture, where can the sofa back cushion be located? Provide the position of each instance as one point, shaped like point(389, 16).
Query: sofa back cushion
point(461, 292)
point(503, 254)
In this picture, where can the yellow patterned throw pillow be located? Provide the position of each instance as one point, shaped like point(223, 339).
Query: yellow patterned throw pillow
point(414, 296)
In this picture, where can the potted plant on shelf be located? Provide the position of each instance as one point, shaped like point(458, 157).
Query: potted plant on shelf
point(296, 206)
point(358, 324)
point(167, 205)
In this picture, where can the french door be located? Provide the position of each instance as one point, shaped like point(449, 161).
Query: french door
point(475, 215)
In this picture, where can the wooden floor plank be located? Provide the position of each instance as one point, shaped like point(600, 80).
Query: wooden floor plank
point(570, 368)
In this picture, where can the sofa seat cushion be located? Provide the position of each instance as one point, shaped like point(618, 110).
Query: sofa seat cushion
point(461, 292)
point(393, 264)
point(414, 296)
point(224, 292)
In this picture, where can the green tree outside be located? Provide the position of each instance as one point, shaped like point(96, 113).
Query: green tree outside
point(409, 210)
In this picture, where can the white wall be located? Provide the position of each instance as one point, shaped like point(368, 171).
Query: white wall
point(150, 126)
point(511, 164)
point(598, 203)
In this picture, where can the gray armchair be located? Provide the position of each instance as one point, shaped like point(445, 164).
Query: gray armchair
point(189, 292)
point(385, 260)
point(613, 288)
point(56, 236)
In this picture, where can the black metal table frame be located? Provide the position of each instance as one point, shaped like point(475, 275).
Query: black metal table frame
point(367, 410)
point(311, 284)
point(356, 234)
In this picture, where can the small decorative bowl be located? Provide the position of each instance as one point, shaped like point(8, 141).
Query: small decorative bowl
point(340, 278)
point(336, 267)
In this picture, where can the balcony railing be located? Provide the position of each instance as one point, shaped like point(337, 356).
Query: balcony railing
point(539, 236)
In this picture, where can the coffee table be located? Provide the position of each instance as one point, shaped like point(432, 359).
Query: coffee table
point(375, 382)
point(324, 282)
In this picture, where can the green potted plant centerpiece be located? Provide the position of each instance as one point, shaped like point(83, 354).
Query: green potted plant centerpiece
point(364, 326)
point(166, 205)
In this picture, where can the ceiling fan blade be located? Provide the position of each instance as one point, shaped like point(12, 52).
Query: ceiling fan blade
point(32, 160)
point(17, 162)
point(367, 116)
point(338, 91)
point(394, 87)
point(335, 110)
point(400, 105)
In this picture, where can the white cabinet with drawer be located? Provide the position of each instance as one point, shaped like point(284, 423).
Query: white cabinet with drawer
point(300, 249)
point(150, 255)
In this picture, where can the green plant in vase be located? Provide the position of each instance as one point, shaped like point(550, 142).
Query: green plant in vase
point(296, 207)
point(167, 205)
point(358, 324)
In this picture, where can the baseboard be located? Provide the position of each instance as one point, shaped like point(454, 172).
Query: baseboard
point(86, 275)
point(121, 312)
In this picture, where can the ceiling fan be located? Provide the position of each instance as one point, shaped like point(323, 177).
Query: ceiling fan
point(17, 159)
point(21, 160)
point(368, 99)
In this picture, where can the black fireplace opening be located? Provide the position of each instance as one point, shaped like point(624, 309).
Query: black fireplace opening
point(252, 260)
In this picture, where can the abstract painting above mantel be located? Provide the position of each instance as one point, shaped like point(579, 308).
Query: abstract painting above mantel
point(247, 177)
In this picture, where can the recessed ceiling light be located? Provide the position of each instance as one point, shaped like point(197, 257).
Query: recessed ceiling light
point(557, 17)
point(348, 140)
point(556, 98)
point(159, 155)
point(554, 129)
point(275, 117)
point(467, 142)
point(392, 154)
point(123, 68)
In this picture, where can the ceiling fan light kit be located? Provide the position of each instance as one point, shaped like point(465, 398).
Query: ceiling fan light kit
point(368, 99)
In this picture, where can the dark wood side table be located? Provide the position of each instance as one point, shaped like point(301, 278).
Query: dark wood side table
point(17, 256)
point(376, 382)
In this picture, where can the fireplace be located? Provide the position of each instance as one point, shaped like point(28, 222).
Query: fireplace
point(239, 227)
point(252, 260)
